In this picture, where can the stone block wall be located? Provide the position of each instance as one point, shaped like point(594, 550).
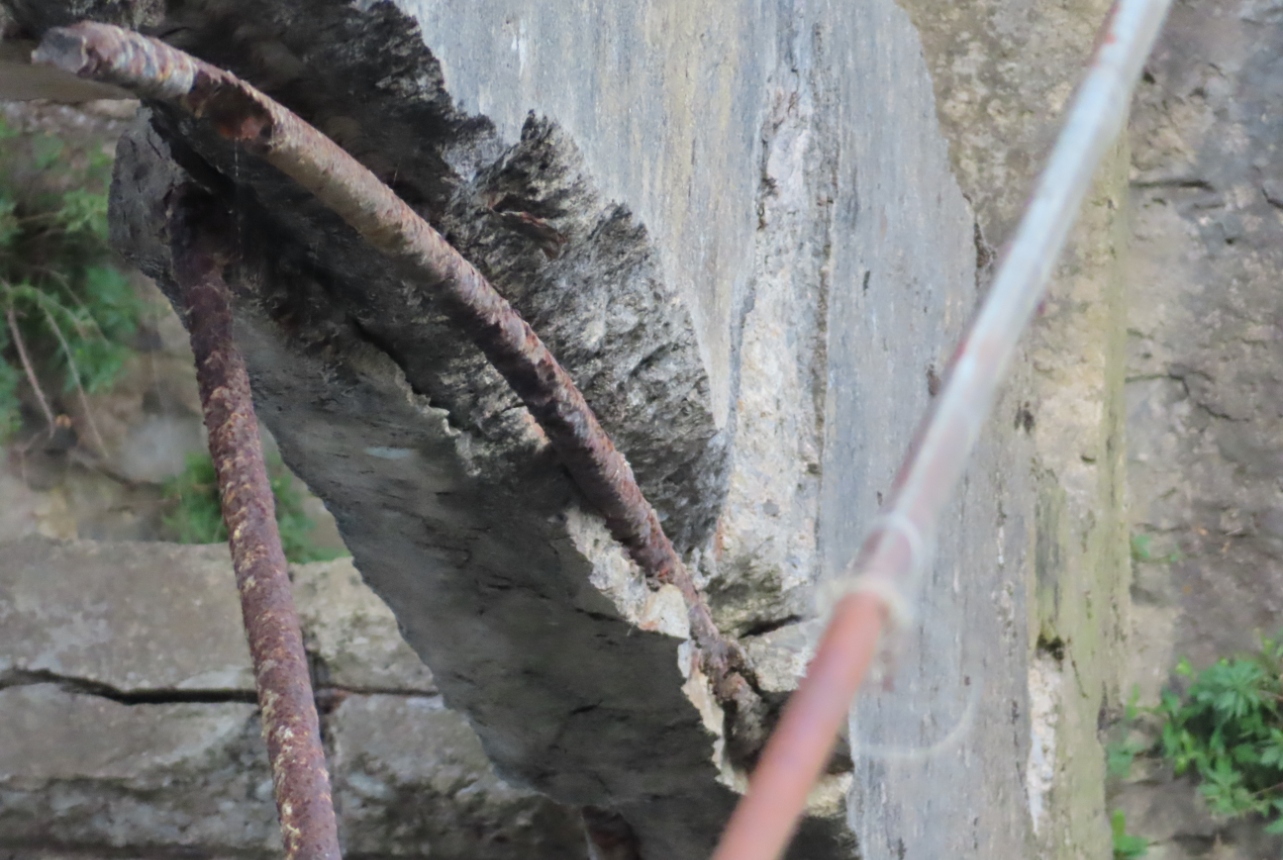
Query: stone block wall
point(128, 722)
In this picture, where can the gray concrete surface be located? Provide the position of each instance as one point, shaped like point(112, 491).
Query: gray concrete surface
point(797, 235)
point(128, 724)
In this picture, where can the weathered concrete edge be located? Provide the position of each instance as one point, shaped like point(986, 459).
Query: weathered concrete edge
point(352, 400)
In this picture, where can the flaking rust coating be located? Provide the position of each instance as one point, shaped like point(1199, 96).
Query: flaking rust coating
point(291, 727)
point(250, 119)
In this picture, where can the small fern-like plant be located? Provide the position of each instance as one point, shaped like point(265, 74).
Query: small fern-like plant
point(67, 314)
point(195, 515)
point(1227, 727)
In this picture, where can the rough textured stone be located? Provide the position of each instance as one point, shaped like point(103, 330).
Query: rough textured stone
point(127, 723)
point(1205, 366)
point(86, 773)
point(81, 770)
point(1079, 606)
point(127, 617)
point(33, 16)
point(351, 634)
point(1204, 353)
point(411, 780)
point(1003, 73)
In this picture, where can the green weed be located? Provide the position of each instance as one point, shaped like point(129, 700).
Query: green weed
point(1128, 741)
point(1227, 728)
point(195, 515)
point(1126, 846)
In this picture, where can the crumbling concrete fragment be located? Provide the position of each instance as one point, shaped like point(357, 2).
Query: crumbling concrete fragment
point(454, 508)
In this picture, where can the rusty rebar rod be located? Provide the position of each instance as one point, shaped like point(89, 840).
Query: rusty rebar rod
point(882, 579)
point(247, 117)
point(291, 727)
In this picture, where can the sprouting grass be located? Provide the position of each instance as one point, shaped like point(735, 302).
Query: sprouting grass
point(1128, 743)
point(1143, 551)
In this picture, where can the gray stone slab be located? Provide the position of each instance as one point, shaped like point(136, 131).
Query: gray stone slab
point(138, 618)
point(82, 773)
point(80, 770)
point(146, 772)
point(130, 617)
point(939, 753)
point(351, 634)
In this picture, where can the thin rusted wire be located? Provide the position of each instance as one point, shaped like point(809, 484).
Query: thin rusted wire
point(291, 727)
point(249, 118)
point(882, 577)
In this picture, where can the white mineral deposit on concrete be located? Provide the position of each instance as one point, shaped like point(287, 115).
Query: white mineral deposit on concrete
point(1045, 676)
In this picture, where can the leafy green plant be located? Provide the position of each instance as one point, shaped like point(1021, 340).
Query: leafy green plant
point(196, 517)
point(1227, 728)
point(1126, 845)
point(67, 314)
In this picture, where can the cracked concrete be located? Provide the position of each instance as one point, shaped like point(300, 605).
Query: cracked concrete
point(797, 232)
point(127, 717)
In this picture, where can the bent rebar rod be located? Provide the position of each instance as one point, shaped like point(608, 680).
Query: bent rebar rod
point(882, 578)
point(247, 117)
point(291, 727)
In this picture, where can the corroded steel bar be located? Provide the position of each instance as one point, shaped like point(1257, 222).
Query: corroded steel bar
point(884, 573)
point(251, 119)
point(291, 727)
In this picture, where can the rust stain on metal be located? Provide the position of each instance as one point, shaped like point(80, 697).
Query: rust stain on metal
point(251, 119)
point(290, 724)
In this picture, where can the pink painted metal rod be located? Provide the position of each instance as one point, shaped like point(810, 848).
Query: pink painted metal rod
point(884, 572)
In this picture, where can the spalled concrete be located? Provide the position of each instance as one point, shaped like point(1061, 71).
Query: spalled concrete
point(768, 254)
